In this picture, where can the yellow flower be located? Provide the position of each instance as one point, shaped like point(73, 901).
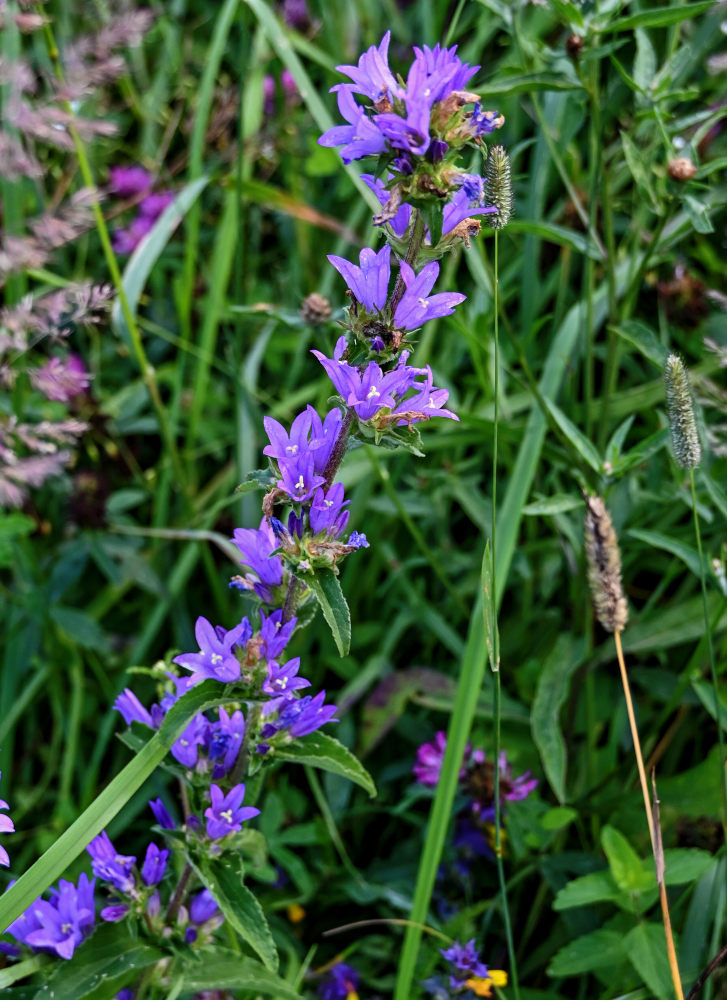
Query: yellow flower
point(295, 912)
point(481, 986)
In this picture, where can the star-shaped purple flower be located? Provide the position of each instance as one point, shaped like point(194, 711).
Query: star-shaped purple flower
point(361, 137)
point(110, 866)
point(369, 282)
point(216, 658)
point(227, 814)
point(372, 76)
point(416, 305)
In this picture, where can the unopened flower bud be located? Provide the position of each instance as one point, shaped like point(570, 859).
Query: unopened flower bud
point(315, 309)
point(574, 46)
point(684, 435)
point(681, 168)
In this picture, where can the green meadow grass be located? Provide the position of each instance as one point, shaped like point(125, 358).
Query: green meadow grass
point(205, 338)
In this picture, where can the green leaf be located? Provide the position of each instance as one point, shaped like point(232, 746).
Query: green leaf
point(596, 887)
point(111, 801)
point(559, 503)
point(223, 969)
point(698, 214)
point(100, 968)
point(558, 817)
point(387, 702)
point(559, 235)
point(641, 175)
point(260, 479)
point(550, 695)
point(492, 639)
point(326, 753)
point(705, 693)
point(326, 586)
point(686, 864)
point(241, 908)
point(597, 950)
point(658, 17)
point(626, 866)
point(644, 61)
point(528, 82)
point(656, 540)
point(14, 524)
point(576, 438)
point(80, 628)
point(149, 250)
point(643, 339)
point(645, 947)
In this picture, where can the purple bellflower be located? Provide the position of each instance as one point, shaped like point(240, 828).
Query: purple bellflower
point(417, 306)
point(297, 716)
point(372, 76)
point(361, 137)
point(225, 740)
point(369, 282)
point(155, 864)
point(110, 866)
point(341, 982)
point(161, 814)
point(256, 546)
point(216, 657)
point(465, 961)
point(227, 814)
point(281, 680)
point(61, 923)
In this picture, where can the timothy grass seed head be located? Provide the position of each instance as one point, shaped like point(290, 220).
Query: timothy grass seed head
point(684, 435)
point(499, 186)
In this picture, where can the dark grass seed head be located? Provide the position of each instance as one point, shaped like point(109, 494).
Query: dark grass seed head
point(604, 567)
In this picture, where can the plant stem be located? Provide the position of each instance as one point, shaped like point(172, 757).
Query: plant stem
point(654, 832)
point(710, 649)
point(176, 900)
point(415, 243)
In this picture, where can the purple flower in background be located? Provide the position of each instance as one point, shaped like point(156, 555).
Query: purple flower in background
point(129, 181)
point(6, 826)
point(361, 137)
point(132, 709)
point(216, 657)
point(417, 306)
point(155, 864)
point(429, 760)
point(161, 814)
point(340, 982)
point(110, 866)
point(369, 282)
point(480, 784)
point(357, 540)
point(125, 241)
point(61, 380)
point(466, 962)
point(256, 545)
point(61, 923)
point(153, 205)
point(227, 814)
point(372, 76)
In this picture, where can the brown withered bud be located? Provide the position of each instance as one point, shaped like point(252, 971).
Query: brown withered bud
point(315, 309)
point(383, 106)
point(681, 168)
point(604, 567)
point(574, 46)
point(270, 499)
point(465, 230)
point(390, 208)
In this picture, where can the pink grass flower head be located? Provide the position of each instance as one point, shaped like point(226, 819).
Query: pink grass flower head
point(61, 379)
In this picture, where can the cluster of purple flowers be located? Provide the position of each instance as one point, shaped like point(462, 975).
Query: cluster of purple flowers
point(416, 130)
point(422, 117)
point(476, 777)
point(131, 182)
point(468, 975)
point(58, 924)
point(339, 983)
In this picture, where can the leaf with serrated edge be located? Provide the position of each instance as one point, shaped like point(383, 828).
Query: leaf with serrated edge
point(327, 589)
point(323, 751)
